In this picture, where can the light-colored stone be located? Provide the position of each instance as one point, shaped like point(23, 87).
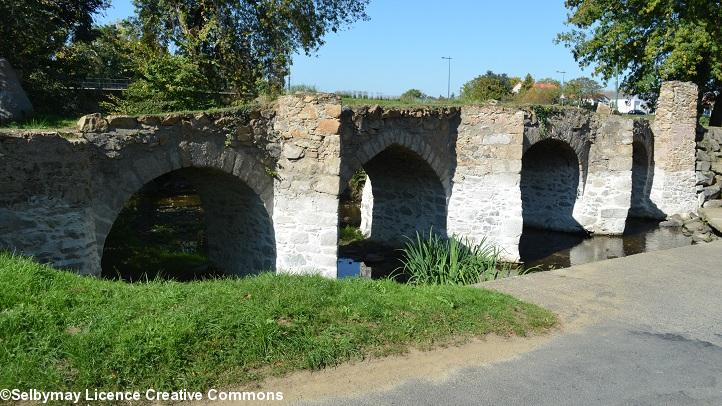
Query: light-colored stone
point(14, 103)
point(92, 123)
point(124, 122)
point(292, 151)
point(328, 127)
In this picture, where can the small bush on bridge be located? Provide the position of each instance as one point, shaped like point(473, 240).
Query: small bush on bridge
point(434, 260)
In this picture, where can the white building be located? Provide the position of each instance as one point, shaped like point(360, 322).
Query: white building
point(625, 104)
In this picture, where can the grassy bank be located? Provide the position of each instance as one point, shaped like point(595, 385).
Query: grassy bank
point(62, 331)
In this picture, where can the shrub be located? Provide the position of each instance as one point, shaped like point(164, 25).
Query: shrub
point(413, 95)
point(167, 83)
point(434, 260)
point(486, 87)
point(350, 234)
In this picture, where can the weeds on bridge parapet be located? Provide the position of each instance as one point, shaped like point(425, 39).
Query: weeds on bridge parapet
point(543, 115)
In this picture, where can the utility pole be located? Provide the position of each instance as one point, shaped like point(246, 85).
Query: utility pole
point(563, 73)
point(616, 100)
point(289, 76)
point(448, 80)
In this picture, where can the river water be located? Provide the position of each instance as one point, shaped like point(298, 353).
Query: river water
point(540, 250)
point(550, 250)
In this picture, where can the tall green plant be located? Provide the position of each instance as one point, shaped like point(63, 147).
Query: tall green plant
point(433, 260)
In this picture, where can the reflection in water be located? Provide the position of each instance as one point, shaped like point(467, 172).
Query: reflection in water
point(550, 249)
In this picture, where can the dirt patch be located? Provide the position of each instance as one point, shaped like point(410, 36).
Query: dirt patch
point(376, 375)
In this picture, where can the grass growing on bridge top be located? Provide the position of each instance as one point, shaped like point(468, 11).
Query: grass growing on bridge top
point(43, 122)
point(61, 331)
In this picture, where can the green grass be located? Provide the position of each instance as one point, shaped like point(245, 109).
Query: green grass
point(351, 101)
point(433, 260)
point(62, 331)
point(43, 121)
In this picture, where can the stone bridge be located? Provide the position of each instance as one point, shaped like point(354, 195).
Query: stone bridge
point(270, 178)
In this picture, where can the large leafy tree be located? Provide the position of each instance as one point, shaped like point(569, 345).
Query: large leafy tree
point(647, 41)
point(486, 87)
point(244, 44)
point(115, 51)
point(33, 31)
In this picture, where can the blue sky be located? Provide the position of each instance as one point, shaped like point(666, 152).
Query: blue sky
point(401, 46)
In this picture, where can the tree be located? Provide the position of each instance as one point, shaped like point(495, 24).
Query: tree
point(245, 44)
point(582, 88)
point(527, 83)
point(540, 94)
point(413, 94)
point(164, 83)
point(649, 41)
point(486, 87)
point(112, 53)
point(33, 31)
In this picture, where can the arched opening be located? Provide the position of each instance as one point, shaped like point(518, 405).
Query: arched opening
point(641, 205)
point(393, 196)
point(550, 181)
point(188, 224)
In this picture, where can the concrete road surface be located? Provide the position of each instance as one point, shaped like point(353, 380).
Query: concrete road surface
point(639, 330)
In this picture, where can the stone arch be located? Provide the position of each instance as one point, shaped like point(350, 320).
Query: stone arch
point(403, 195)
point(232, 184)
point(550, 183)
point(641, 205)
point(576, 136)
point(356, 158)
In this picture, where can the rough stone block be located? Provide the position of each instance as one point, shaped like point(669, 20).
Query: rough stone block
point(328, 126)
point(92, 123)
point(122, 122)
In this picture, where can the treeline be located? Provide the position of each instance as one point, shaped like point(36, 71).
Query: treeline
point(178, 55)
point(493, 86)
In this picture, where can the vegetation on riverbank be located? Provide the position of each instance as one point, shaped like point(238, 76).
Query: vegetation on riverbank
point(62, 331)
point(433, 260)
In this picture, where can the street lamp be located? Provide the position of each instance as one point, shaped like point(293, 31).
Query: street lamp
point(563, 73)
point(448, 80)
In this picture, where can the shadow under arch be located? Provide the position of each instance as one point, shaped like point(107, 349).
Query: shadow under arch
point(641, 204)
point(550, 183)
point(402, 194)
point(238, 231)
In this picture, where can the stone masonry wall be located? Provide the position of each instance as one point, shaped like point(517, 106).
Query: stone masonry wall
point(277, 172)
point(307, 183)
point(674, 129)
point(485, 201)
point(605, 202)
point(603, 146)
point(709, 167)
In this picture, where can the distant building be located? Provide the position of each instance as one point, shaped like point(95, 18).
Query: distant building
point(626, 103)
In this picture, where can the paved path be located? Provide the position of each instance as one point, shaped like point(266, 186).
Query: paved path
point(639, 330)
